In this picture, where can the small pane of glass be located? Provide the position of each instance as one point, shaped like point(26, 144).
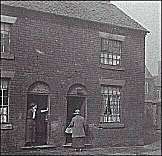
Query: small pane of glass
point(4, 84)
point(118, 57)
point(3, 113)
point(5, 101)
point(110, 61)
point(105, 55)
point(114, 62)
point(2, 26)
point(7, 27)
point(105, 61)
point(114, 56)
point(110, 55)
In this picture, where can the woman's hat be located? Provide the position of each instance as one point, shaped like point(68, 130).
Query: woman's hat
point(32, 104)
point(77, 111)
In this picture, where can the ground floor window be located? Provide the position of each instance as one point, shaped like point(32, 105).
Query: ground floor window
point(4, 101)
point(110, 96)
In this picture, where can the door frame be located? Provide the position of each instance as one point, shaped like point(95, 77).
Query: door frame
point(85, 108)
point(48, 114)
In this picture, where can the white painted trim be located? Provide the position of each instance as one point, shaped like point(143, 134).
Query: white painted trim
point(112, 82)
point(111, 36)
point(8, 19)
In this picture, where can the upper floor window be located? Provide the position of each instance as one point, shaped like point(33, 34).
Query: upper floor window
point(5, 37)
point(110, 52)
point(110, 103)
point(6, 22)
point(4, 101)
point(146, 87)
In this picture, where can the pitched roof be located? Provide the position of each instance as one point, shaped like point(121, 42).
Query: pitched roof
point(97, 11)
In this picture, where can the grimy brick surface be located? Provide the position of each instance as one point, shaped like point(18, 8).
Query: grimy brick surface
point(72, 46)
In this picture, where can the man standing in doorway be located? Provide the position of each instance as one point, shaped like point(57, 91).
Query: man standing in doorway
point(31, 125)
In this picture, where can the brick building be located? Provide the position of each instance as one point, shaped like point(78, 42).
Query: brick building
point(68, 55)
point(153, 99)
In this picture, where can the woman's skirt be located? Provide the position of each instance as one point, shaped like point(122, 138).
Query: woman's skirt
point(78, 142)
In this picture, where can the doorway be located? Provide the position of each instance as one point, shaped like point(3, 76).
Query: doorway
point(73, 103)
point(41, 118)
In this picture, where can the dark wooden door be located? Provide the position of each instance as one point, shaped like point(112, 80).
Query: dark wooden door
point(41, 122)
point(73, 103)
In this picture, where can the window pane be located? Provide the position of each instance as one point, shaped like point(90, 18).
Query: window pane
point(5, 93)
point(110, 55)
point(6, 45)
point(4, 33)
point(102, 55)
point(2, 26)
point(5, 101)
point(118, 57)
point(3, 118)
point(4, 84)
point(114, 62)
point(105, 55)
point(4, 114)
point(110, 61)
point(114, 56)
point(102, 60)
point(105, 61)
point(7, 27)
point(105, 44)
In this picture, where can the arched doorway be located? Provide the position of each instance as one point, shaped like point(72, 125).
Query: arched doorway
point(76, 99)
point(38, 94)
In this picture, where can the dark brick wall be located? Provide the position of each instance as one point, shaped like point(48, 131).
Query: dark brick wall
point(72, 45)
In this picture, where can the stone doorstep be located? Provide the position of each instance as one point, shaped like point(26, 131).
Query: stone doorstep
point(69, 145)
point(38, 147)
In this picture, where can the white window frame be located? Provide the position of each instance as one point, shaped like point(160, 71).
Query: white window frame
point(8, 20)
point(2, 98)
point(109, 56)
point(4, 32)
point(110, 94)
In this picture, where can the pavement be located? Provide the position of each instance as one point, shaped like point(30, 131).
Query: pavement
point(150, 149)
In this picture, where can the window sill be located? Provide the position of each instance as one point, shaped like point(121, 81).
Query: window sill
point(7, 56)
point(6, 126)
point(111, 125)
point(109, 67)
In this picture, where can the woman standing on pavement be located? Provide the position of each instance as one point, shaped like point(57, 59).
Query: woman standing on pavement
point(78, 131)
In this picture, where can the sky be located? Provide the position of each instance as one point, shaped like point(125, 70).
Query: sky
point(148, 14)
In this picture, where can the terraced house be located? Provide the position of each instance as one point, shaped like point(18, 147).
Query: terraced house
point(64, 55)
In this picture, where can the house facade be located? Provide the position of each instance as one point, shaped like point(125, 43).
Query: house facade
point(153, 99)
point(70, 55)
